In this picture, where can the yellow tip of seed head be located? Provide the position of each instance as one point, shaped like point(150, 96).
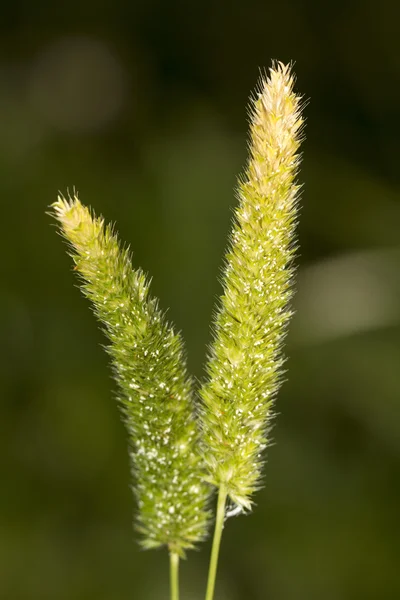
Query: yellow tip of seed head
point(66, 208)
point(76, 220)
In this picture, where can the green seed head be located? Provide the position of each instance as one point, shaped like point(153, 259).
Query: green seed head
point(155, 392)
point(245, 363)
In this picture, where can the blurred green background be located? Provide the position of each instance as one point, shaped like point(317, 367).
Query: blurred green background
point(141, 106)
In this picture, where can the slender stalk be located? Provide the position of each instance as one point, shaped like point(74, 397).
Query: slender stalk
point(174, 575)
point(219, 525)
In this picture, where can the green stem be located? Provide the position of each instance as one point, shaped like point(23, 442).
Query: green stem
point(219, 525)
point(174, 575)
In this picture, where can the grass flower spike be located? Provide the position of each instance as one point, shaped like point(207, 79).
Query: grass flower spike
point(245, 364)
point(154, 390)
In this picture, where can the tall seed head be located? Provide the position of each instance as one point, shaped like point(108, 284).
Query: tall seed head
point(245, 363)
point(155, 393)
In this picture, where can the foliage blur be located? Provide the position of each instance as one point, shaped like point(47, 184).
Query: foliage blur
point(141, 106)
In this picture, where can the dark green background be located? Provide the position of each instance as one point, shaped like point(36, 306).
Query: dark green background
point(141, 106)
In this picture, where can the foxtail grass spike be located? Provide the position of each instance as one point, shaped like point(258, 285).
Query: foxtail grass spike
point(244, 370)
point(155, 392)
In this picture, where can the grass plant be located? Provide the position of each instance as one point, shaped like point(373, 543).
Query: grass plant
point(181, 448)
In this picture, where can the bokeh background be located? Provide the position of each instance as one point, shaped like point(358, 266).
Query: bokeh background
point(142, 106)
